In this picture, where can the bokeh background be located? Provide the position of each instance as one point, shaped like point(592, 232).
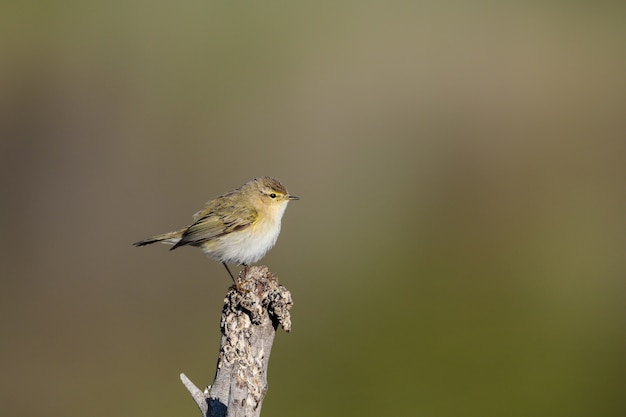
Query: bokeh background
point(458, 249)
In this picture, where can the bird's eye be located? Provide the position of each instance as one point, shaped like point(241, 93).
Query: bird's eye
point(273, 195)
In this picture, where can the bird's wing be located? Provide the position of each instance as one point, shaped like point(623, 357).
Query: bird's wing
point(217, 220)
point(217, 204)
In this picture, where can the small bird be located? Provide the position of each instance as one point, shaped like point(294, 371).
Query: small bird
point(237, 227)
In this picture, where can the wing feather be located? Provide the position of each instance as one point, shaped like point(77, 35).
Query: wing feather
point(217, 219)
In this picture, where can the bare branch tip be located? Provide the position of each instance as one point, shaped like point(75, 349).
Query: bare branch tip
point(197, 394)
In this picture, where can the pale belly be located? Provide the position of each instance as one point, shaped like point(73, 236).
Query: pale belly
point(246, 246)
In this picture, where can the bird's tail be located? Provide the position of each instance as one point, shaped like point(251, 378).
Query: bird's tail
point(170, 238)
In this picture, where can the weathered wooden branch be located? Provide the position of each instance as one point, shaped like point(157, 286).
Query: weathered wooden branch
point(250, 317)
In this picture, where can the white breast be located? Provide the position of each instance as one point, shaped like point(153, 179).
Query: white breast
point(251, 244)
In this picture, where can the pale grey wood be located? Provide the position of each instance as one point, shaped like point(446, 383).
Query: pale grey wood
point(250, 317)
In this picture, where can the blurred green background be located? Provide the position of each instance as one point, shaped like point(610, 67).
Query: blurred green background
point(458, 249)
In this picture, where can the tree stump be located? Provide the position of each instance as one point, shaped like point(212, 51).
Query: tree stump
point(251, 314)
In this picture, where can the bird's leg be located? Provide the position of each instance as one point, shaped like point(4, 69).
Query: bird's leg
point(245, 273)
point(231, 274)
point(237, 283)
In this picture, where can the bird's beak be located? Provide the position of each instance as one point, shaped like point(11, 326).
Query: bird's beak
point(293, 197)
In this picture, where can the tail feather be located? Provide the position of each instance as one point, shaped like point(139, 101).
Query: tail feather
point(170, 238)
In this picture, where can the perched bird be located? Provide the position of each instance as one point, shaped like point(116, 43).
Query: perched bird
point(237, 227)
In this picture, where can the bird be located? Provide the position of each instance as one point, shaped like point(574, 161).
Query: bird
point(238, 227)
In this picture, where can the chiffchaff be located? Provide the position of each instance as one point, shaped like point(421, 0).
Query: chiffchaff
point(237, 227)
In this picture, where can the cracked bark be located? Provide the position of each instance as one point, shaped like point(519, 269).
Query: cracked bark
point(250, 317)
